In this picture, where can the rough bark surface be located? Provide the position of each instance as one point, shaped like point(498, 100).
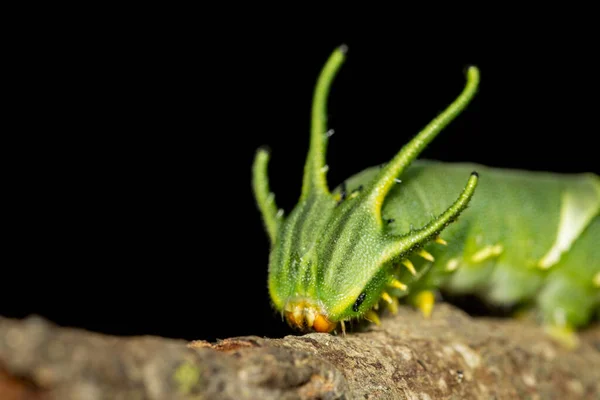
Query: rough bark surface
point(450, 356)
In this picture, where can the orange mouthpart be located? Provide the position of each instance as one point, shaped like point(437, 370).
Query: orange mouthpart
point(305, 315)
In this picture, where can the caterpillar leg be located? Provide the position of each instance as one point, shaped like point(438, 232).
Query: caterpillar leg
point(565, 335)
point(565, 306)
point(424, 301)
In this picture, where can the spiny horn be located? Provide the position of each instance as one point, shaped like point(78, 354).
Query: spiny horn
point(385, 180)
point(314, 168)
point(265, 199)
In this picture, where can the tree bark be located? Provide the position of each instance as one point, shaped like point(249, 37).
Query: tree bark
point(449, 356)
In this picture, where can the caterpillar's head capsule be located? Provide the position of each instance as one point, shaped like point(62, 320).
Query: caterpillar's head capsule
point(304, 314)
point(332, 257)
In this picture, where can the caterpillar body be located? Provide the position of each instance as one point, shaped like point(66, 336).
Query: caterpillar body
point(409, 228)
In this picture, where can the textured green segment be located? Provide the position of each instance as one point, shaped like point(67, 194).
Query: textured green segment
point(519, 210)
point(292, 269)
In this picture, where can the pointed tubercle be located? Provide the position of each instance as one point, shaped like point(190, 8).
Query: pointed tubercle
point(386, 297)
point(426, 255)
point(393, 306)
point(373, 317)
point(409, 266)
point(395, 283)
point(441, 241)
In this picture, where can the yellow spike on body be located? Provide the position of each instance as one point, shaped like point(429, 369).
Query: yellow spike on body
point(487, 252)
point(409, 265)
point(386, 297)
point(395, 283)
point(425, 301)
point(393, 306)
point(373, 317)
point(425, 255)
point(441, 241)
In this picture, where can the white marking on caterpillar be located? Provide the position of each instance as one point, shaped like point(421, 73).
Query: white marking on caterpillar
point(280, 213)
point(330, 133)
point(452, 264)
point(397, 180)
point(596, 280)
point(487, 252)
point(325, 168)
point(575, 214)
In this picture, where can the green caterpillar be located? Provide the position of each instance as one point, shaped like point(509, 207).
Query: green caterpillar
point(523, 238)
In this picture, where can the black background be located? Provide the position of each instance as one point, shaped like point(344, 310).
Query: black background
point(129, 207)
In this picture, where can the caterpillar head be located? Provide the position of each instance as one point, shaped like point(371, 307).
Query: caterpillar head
point(331, 258)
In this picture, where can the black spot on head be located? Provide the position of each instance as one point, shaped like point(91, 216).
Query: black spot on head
point(359, 301)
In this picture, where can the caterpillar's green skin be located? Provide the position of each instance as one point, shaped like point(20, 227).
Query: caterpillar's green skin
point(522, 237)
point(517, 212)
